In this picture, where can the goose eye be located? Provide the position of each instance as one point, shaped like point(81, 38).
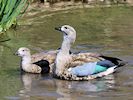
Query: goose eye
point(22, 50)
point(65, 27)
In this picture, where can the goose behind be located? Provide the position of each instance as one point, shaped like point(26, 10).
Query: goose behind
point(41, 66)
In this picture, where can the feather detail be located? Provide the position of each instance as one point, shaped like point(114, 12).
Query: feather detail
point(37, 63)
point(44, 64)
point(32, 68)
point(82, 58)
point(50, 56)
point(73, 66)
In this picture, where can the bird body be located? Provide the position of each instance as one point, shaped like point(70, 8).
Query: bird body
point(34, 63)
point(91, 68)
point(49, 56)
point(82, 66)
point(27, 64)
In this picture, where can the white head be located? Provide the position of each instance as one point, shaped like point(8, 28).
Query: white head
point(23, 51)
point(68, 32)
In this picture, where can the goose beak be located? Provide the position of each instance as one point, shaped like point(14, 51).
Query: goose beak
point(58, 28)
point(16, 53)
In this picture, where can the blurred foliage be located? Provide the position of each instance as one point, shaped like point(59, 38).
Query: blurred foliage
point(83, 1)
point(9, 10)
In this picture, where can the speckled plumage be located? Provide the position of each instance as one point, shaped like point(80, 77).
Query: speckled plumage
point(49, 56)
point(35, 63)
point(64, 60)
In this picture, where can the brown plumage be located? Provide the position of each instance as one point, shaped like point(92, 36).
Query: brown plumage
point(81, 58)
point(50, 56)
point(37, 63)
point(65, 62)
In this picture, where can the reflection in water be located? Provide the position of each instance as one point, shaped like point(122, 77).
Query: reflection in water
point(70, 89)
point(45, 86)
point(28, 80)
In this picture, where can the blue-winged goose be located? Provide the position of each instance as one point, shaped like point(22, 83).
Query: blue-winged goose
point(82, 66)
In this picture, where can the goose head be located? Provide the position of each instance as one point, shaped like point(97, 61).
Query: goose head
point(69, 33)
point(22, 52)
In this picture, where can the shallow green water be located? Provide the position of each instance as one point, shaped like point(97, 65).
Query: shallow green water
point(104, 30)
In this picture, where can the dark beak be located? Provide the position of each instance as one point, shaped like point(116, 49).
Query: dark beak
point(58, 28)
point(16, 53)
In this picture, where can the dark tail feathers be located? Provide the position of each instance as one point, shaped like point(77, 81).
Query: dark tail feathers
point(44, 64)
point(114, 60)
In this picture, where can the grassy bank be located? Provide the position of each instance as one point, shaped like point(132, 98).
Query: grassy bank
point(9, 11)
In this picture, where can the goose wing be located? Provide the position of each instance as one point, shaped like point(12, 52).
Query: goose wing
point(108, 63)
point(44, 64)
point(68, 76)
point(49, 56)
point(81, 58)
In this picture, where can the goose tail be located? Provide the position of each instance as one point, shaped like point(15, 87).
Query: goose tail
point(44, 64)
point(118, 62)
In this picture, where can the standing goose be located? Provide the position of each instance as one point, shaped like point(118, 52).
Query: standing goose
point(37, 63)
point(92, 65)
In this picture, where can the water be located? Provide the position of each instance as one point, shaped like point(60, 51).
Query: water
point(105, 30)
